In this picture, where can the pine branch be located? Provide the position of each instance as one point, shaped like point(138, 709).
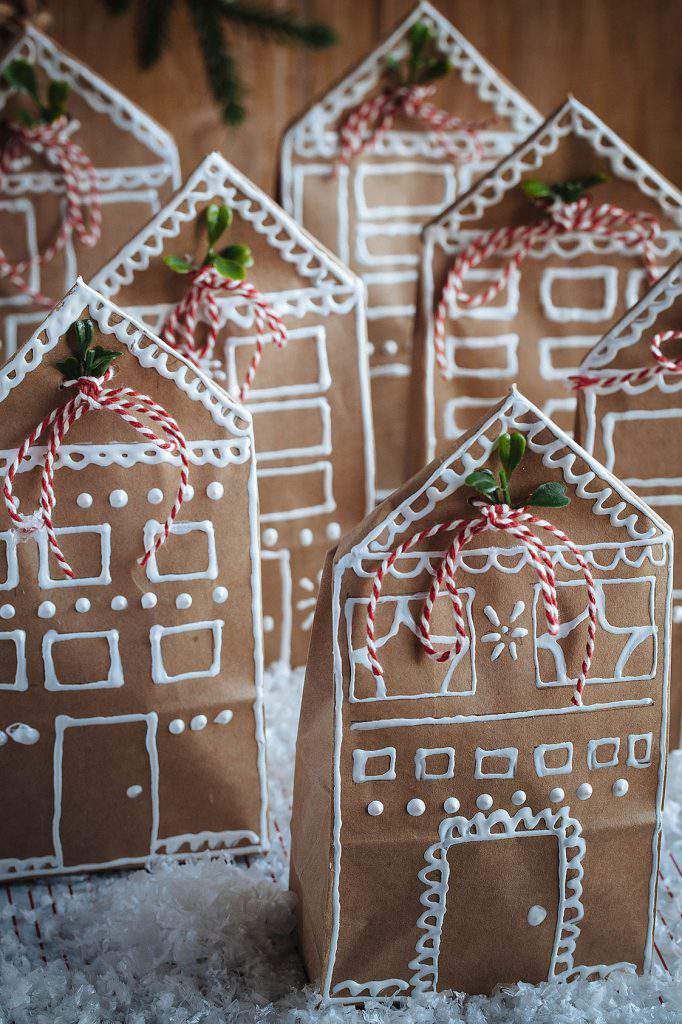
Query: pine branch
point(284, 26)
point(153, 23)
point(119, 6)
point(220, 65)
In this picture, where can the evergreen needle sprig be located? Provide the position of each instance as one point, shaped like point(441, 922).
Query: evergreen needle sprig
point(510, 449)
point(87, 360)
point(564, 191)
point(20, 75)
point(231, 261)
point(424, 64)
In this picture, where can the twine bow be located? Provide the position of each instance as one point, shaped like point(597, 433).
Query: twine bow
point(83, 207)
point(635, 230)
point(605, 380)
point(91, 394)
point(514, 521)
point(202, 297)
point(368, 122)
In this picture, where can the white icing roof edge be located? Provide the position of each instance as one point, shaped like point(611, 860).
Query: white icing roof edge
point(215, 175)
point(103, 97)
point(638, 319)
point(560, 454)
point(625, 163)
point(472, 67)
point(150, 351)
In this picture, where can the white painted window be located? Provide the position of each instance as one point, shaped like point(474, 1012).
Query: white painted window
point(374, 765)
point(309, 491)
point(603, 753)
point(607, 277)
point(204, 560)
point(505, 305)
point(455, 420)
point(13, 674)
point(496, 764)
point(284, 421)
point(434, 763)
point(438, 182)
point(21, 210)
point(503, 348)
point(76, 642)
point(639, 750)
point(390, 245)
point(102, 577)
point(579, 345)
point(307, 362)
point(10, 570)
point(648, 425)
point(562, 764)
point(161, 673)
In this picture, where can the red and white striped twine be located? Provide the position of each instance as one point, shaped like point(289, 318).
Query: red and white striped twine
point(605, 380)
point(515, 521)
point(83, 206)
point(364, 125)
point(92, 395)
point(200, 299)
point(635, 230)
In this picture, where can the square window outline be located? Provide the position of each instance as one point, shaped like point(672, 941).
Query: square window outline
point(156, 634)
point(324, 468)
point(593, 746)
point(360, 759)
point(550, 343)
point(632, 760)
point(507, 311)
point(422, 753)
point(25, 209)
point(114, 678)
point(316, 334)
point(321, 447)
point(509, 343)
point(45, 581)
point(608, 424)
point(365, 170)
point(152, 527)
point(18, 637)
point(512, 755)
point(399, 229)
point(542, 770)
point(11, 540)
point(577, 314)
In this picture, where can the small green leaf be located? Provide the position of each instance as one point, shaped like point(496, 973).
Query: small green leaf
point(218, 219)
point(239, 253)
point(511, 449)
point(572, 190)
point(70, 368)
point(21, 75)
point(482, 480)
point(549, 495)
point(177, 264)
point(57, 95)
point(536, 189)
point(103, 358)
point(228, 268)
point(434, 69)
point(392, 65)
point(419, 36)
point(83, 331)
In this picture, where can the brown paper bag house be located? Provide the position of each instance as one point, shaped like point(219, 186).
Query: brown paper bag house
point(482, 746)
point(628, 417)
point(523, 274)
point(308, 395)
point(131, 714)
point(81, 167)
point(385, 150)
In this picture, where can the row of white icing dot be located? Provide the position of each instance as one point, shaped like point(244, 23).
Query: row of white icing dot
point(119, 498)
point(119, 603)
point(270, 536)
point(199, 722)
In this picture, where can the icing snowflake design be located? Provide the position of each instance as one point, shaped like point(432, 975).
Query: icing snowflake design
point(504, 636)
point(307, 604)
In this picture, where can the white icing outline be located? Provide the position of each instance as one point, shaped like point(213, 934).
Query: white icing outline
point(328, 504)
point(361, 757)
point(542, 769)
point(633, 761)
point(158, 632)
point(103, 578)
point(115, 676)
point(152, 528)
point(421, 755)
point(593, 746)
point(508, 343)
point(18, 638)
point(512, 755)
point(9, 538)
point(571, 314)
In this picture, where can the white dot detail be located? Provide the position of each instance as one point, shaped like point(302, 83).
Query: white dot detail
point(584, 791)
point(306, 537)
point(536, 915)
point(223, 717)
point(484, 802)
point(188, 493)
point(270, 537)
point(118, 499)
point(451, 805)
point(215, 491)
point(556, 795)
point(375, 808)
point(220, 595)
point(333, 531)
point(268, 623)
point(677, 613)
point(183, 601)
point(133, 791)
point(620, 787)
point(46, 610)
point(198, 722)
point(7, 611)
point(416, 807)
point(155, 496)
point(390, 348)
point(119, 603)
point(148, 600)
point(84, 500)
point(82, 605)
point(176, 726)
point(518, 798)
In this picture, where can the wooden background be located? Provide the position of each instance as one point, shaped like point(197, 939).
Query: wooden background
point(620, 57)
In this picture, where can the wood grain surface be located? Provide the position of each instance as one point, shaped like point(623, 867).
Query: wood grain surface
point(618, 56)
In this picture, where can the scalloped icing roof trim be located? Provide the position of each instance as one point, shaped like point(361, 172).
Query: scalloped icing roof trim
point(216, 177)
point(97, 93)
point(571, 118)
point(607, 495)
point(472, 67)
point(630, 329)
point(77, 456)
point(567, 245)
point(149, 351)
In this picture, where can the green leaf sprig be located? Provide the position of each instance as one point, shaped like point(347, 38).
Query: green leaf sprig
point(231, 261)
point(87, 360)
point(564, 191)
point(424, 64)
point(510, 449)
point(21, 76)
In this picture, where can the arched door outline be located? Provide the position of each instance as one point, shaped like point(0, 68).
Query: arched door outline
point(499, 824)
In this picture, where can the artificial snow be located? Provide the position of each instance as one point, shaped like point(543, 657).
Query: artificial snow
point(213, 942)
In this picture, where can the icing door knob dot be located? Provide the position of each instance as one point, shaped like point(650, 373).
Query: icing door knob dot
point(536, 915)
point(416, 807)
point(133, 791)
point(375, 808)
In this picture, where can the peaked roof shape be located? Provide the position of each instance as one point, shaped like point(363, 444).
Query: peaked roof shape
point(215, 176)
point(595, 484)
point(42, 51)
point(471, 66)
point(572, 117)
point(642, 316)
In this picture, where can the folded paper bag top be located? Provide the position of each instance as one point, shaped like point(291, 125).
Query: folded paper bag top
point(487, 688)
point(131, 636)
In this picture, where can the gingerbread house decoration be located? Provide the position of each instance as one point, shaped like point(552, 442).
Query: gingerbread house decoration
point(557, 302)
point(131, 709)
point(309, 401)
point(627, 406)
point(371, 210)
point(135, 165)
point(480, 826)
